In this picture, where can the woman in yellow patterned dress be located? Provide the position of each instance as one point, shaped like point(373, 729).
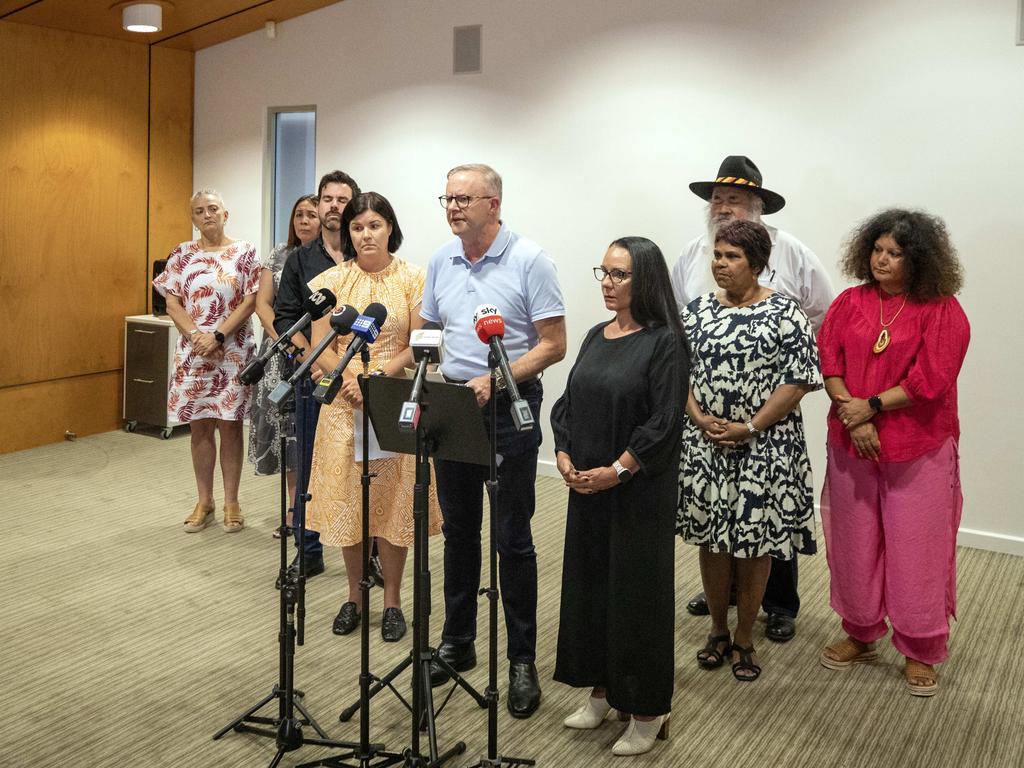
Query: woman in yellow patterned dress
point(371, 273)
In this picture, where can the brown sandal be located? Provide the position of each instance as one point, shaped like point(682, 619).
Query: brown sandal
point(921, 678)
point(201, 517)
point(846, 653)
point(233, 520)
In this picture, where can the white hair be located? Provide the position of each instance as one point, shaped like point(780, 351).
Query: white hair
point(206, 193)
point(490, 176)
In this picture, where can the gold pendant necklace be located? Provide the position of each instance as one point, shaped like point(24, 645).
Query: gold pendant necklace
point(882, 342)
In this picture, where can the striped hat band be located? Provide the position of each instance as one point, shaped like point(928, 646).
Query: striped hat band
point(735, 180)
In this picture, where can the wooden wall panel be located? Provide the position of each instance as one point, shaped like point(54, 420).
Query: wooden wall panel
point(73, 122)
point(38, 414)
point(74, 132)
point(170, 141)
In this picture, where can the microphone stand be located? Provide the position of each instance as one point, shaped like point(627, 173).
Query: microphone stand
point(286, 728)
point(423, 715)
point(493, 759)
point(364, 754)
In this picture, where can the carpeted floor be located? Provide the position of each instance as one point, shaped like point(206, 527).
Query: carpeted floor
point(127, 642)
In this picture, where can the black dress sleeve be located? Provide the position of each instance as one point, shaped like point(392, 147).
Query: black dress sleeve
point(561, 411)
point(288, 300)
point(655, 442)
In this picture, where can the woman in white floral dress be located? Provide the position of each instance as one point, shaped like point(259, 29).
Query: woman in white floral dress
point(210, 285)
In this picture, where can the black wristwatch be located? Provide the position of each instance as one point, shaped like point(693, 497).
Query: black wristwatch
point(624, 474)
point(219, 337)
point(875, 403)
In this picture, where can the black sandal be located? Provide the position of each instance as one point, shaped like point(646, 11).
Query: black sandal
point(709, 657)
point(745, 664)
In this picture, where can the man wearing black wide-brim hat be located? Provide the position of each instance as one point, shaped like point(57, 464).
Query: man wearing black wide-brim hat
point(738, 192)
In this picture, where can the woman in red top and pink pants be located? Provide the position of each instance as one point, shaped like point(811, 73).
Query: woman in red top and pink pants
point(891, 350)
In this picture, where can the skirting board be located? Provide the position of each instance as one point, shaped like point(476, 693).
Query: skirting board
point(967, 537)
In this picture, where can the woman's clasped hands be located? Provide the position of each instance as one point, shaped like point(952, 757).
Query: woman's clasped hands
point(589, 480)
point(720, 431)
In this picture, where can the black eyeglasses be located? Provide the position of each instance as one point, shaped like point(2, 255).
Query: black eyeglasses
point(617, 275)
point(461, 201)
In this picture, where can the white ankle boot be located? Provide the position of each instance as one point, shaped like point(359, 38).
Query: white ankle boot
point(640, 735)
point(590, 715)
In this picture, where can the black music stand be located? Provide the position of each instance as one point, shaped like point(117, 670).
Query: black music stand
point(450, 427)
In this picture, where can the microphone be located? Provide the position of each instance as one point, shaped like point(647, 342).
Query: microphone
point(366, 328)
point(341, 323)
point(426, 350)
point(316, 306)
point(490, 328)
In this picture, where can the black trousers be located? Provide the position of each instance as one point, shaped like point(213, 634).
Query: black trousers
point(307, 411)
point(780, 596)
point(460, 489)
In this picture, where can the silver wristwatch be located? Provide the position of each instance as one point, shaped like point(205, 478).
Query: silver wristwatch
point(623, 473)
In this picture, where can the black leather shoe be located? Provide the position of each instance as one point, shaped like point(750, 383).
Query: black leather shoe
point(314, 567)
point(460, 656)
point(698, 606)
point(346, 620)
point(392, 626)
point(523, 689)
point(780, 627)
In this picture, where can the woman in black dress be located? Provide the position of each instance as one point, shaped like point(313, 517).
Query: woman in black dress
point(617, 440)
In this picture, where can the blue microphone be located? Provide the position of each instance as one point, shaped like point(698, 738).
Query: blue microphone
point(366, 329)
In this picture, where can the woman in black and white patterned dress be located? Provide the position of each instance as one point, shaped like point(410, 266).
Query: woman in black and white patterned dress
point(746, 493)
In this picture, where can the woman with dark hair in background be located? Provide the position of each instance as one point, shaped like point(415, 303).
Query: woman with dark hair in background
point(617, 430)
point(746, 478)
point(371, 273)
point(210, 285)
point(265, 420)
point(891, 351)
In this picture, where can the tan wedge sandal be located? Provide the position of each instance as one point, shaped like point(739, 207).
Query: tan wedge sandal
point(201, 517)
point(921, 678)
point(233, 520)
point(846, 653)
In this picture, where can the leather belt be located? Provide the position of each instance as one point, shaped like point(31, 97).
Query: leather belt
point(525, 382)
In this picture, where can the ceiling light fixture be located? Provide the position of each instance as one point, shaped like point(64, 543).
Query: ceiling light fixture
point(142, 17)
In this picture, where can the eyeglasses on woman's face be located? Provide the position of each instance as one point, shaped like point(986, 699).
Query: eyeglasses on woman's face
point(617, 276)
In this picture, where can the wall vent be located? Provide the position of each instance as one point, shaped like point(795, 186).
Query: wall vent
point(467, 57)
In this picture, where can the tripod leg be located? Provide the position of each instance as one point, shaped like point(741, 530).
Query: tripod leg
point(379, 685)
point(245, 715)
point(309, 719)
point(428, 710)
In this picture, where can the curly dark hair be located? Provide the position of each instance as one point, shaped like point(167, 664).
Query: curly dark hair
point(752, 237)
point(932, 267)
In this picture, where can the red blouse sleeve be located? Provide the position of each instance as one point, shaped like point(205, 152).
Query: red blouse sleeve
point(938, 361)
point(830, 337)
point(169, 281)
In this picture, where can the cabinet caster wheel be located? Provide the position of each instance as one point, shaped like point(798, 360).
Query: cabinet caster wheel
point(130, 426)
point(165, 434)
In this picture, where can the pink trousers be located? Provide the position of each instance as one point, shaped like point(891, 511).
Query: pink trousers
point(890, 532)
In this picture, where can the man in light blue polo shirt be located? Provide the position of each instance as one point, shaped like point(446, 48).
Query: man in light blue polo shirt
point(487, 263)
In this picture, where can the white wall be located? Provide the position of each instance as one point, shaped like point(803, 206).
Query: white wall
point(598, 114)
